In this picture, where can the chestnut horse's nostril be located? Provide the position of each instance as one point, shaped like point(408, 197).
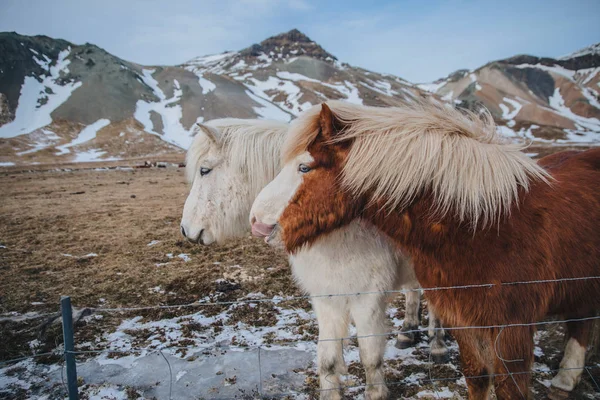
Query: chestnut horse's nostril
point(182, 230)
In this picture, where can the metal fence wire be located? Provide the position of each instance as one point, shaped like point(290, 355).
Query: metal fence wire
point(69, 351)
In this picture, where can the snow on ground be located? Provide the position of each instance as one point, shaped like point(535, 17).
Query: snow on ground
point(169, 110)
point(557, 69)
point(593, 49)
point(88, 133)
point(587, 128)
point(6, 164)
point(507, 114)
point(208, 354)
point(43, 140)
point(267, 109)
point(206, 85)
point(431, 87)
point(39, 99)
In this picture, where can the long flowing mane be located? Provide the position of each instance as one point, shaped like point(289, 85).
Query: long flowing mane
point(251, 146)
point(399, 153)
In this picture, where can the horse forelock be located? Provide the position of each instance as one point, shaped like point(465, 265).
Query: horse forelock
point(397, 153)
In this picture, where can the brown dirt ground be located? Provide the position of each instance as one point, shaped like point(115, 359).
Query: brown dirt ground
point(115, 213)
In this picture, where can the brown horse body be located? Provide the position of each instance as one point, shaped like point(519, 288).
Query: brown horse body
point(547, 237)
point(551, 233)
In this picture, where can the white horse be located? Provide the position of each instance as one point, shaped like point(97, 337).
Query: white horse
point(228, 163)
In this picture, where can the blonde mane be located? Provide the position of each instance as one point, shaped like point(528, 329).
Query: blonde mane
point(399, 153)
point(252, 147)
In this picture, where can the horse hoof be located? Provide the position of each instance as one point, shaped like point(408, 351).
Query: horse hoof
point(557, 394)
point(404, 344)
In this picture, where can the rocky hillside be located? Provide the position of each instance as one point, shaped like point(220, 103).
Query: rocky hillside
point(546, 100)
point(67, 102)
point(62, 102)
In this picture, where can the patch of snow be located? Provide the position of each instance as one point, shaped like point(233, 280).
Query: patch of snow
point(431, 87)
point(107, 393)
point(152, 243)
point(506, 113)
point(293, 76)
point(593, 49)
point(444, 393)
point(169, 111)
point(6, 164)
point(184, 257)
point(293, 93)
point(590, 95)
point(590, 74)
point(88, 133)
point(31, 114)
point(587, 128)
point(267, 109)
point(206, 85)
point(44, 140)
point(556, 69)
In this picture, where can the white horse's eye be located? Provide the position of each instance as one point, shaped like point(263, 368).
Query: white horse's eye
point(204, 171)
point(304, 168)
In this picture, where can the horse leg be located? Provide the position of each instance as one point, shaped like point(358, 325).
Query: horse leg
point(476, 362)
point(369, 316)
point(409, 333)
point(332, 317)
point(513, 348)
point(571, 366)
point(437, 344)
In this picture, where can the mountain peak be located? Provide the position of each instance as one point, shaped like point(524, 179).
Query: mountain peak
point(291, 43)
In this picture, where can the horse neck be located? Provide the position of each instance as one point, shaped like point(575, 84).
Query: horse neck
point(446, 246)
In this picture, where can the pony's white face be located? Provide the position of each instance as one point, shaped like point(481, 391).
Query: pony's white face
point(218, 204)
point(275, 197)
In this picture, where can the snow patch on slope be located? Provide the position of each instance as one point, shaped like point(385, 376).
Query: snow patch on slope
point(584, 125)
point(169, 111)
point(32, 113)
point(88, 133)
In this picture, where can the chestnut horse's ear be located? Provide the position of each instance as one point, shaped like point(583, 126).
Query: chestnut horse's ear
point(212, 133)
point(331, 126)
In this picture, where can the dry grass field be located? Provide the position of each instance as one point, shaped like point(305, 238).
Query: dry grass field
point(110, 238)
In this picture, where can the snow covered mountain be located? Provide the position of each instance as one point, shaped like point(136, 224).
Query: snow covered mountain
point(66, 102)
point(552, 101)
point(61, 102)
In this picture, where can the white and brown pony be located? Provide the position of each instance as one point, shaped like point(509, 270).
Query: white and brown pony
point(228, 164)
point(470, 209)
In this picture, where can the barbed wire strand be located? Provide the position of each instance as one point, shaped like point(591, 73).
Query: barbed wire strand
point(460, 328)
point(331, 295)
point(50, 353)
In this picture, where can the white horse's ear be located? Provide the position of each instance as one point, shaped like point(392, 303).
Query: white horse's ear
point(212, 133)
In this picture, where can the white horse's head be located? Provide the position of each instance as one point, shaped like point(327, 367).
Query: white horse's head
point(228, 163)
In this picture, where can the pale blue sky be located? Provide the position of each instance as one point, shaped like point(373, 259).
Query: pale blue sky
point(416, 40)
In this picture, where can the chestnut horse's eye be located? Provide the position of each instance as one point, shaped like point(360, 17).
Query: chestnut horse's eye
point(204, 171)
point(304, 168)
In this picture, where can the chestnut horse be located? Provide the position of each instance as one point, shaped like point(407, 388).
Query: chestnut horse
point(470, 209)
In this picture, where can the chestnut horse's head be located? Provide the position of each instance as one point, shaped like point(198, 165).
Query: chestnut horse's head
point(339, 162)
point(306, 199)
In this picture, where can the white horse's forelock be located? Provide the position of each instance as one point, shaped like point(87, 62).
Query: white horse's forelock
point(251, 146)
point(400, 152)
